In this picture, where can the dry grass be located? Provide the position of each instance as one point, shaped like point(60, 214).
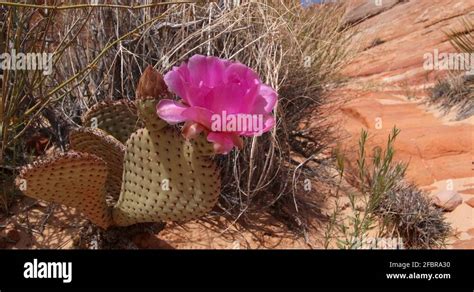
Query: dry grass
point(456, 93)
point(408, 213)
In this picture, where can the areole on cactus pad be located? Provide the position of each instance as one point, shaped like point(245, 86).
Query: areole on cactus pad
point(129, 166)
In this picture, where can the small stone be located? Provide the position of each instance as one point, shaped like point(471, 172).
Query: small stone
point(470, 202)
point(447, 200)
point(464, 244)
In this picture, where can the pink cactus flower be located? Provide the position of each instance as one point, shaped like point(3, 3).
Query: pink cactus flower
point(225, 100)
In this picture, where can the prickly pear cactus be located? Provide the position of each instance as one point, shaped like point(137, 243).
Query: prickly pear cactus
point(73, 179)
point(112, 151)
point(159, 175)
point(165, 176)
point(117, 118)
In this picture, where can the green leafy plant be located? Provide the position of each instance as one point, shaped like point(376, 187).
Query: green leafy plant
point(383, 204)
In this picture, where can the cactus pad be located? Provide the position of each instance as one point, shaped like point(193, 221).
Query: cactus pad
point(165, 178)
point(98, 143)
point(73, 179)
point(117, 118)
point(158, 175)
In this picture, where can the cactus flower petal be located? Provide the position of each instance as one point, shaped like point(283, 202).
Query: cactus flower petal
point(269, 96)
point(268, 123)
point(200, 115)
point(171, 111)
point(224, 142)
point(191, 130)
point(219, 92)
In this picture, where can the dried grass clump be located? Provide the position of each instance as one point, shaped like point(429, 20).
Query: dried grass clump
point(456, 93)
point(100, 52)
point(409, 213)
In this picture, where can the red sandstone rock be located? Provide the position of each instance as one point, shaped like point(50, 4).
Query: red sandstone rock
point(447, 200)
point(383, 78)
point(408, 30)
point(470, 202)
point(366, 9)
point(387, 84)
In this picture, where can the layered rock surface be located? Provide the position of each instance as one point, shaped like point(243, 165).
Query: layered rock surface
point(388, 87)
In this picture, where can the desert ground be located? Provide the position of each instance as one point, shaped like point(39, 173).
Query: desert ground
point(386, 86)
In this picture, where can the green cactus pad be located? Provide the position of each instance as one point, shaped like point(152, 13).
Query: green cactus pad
point(147, 113)
point(73, 179)
point(159, 175)
point(155, 161)
point(117, 118)
point(112, 151)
